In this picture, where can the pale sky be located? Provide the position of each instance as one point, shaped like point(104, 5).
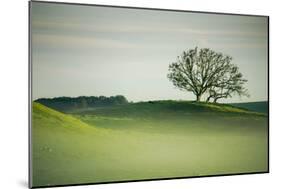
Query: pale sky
point(94, 51)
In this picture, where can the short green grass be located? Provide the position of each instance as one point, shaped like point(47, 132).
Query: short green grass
point(146, 140)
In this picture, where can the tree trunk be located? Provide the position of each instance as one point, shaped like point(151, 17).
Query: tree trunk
point(215, 100)
point(198, 98)
point(209, 98)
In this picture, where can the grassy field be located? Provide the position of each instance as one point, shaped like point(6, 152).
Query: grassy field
point(146, 140)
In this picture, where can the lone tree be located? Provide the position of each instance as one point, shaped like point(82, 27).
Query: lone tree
point(206, 71)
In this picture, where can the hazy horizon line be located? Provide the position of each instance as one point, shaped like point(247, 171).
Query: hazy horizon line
point(136, 101)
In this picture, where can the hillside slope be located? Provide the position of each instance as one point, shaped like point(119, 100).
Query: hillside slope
point(57, 141)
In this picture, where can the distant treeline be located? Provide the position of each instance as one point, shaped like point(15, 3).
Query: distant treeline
point(66, 104)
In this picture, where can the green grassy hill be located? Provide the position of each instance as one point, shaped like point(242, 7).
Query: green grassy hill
point(253, 106)
point(61, 147)
point(145, 140)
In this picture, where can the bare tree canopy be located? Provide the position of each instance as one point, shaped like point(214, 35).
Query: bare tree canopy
point(206, 71)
